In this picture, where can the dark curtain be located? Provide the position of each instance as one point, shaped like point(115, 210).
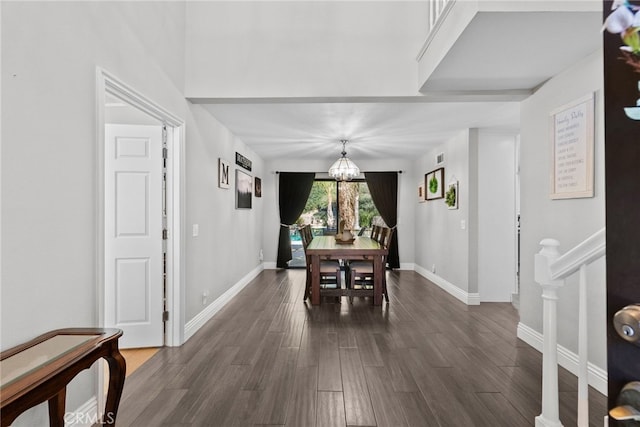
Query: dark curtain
point(294, 189)
point(383, 187)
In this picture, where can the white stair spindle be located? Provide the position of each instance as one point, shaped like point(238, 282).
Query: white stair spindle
point(583, 373)
point(550, 416)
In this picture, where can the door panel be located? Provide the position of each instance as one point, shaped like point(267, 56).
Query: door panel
point(132, 291)
point(622, 163)
point(133, 234)
point(132, 204)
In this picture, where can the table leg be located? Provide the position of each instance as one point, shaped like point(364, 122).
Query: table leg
point(315, 279)
point(307, 283)
point(117, 371)
point(57, 408)
point(378, 271)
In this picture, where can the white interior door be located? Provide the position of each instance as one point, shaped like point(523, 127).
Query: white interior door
point(133, 234)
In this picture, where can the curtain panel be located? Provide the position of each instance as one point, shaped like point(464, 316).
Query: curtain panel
point(383, 187)
point(294, 189)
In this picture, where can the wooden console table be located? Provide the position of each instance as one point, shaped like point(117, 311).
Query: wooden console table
point(40, 370)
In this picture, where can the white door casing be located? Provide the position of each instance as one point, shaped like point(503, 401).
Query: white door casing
point(134, 288)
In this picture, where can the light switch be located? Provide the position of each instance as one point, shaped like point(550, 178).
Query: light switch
point(196, 230)
point(463, 224)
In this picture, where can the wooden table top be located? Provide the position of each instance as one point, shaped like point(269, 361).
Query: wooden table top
point(324, 245)
point(35, 362)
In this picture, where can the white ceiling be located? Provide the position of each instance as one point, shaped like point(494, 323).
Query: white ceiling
point(509, 50)
point(374, 130)
point(499, 57)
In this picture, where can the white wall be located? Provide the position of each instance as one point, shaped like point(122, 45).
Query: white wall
point(472, 247)
point(443, 242)
point(229, 239)
point(570, 221)
point(407, 196)
point(49, 55)
point(50, 51)
point(496, 215)
point(303, 49)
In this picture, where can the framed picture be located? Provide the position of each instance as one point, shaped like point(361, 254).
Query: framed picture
point(223, 174)
point(433, 184)
point(572, 129)
point(421, 194)
point(451, 195)
point(244, 185)
point(243, 161)
point(258, 187)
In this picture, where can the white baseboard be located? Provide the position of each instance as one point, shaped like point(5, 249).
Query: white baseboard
point(465, 297)
point(566, 358)
point(407, 266)
point(270, 266)
point(198, 321)
point(85, 416)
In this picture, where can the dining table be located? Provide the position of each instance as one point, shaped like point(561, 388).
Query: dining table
point(359, 248)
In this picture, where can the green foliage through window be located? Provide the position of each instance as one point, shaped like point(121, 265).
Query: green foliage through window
point(329, 202)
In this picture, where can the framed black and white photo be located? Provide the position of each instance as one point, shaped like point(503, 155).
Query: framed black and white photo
point(433, 182)
point(224, 177)
point(244, 186)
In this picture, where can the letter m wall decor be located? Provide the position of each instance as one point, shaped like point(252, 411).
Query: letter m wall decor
point(223, 174)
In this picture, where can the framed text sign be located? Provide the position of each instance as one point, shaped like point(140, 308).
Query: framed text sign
point(243, 161)
point(572, 130)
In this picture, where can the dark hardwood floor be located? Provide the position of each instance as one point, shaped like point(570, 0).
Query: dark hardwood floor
point(425, 359)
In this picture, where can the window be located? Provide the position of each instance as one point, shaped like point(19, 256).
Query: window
point(329, 203)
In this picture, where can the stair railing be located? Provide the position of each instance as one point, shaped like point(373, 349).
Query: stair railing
point(551, 270)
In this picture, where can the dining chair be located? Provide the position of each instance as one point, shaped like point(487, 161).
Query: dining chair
point(329, 269)
point(382, 235)
point(361, 273)
point(375, 231)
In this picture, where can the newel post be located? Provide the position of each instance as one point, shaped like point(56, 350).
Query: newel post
point(550, 416)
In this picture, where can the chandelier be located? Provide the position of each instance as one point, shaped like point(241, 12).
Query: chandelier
point(344, 169)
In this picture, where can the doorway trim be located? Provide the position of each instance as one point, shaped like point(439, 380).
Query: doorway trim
point(107, 83)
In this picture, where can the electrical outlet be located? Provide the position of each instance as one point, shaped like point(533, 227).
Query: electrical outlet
point(261, 255)
point(195, 230)
point(205, 295)
point(463, 224)
point(433, 268)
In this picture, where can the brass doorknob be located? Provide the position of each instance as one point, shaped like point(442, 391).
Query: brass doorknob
point(627, 323)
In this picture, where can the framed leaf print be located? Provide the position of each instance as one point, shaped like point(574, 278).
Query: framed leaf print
point(433, 182)
point(451, 195)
